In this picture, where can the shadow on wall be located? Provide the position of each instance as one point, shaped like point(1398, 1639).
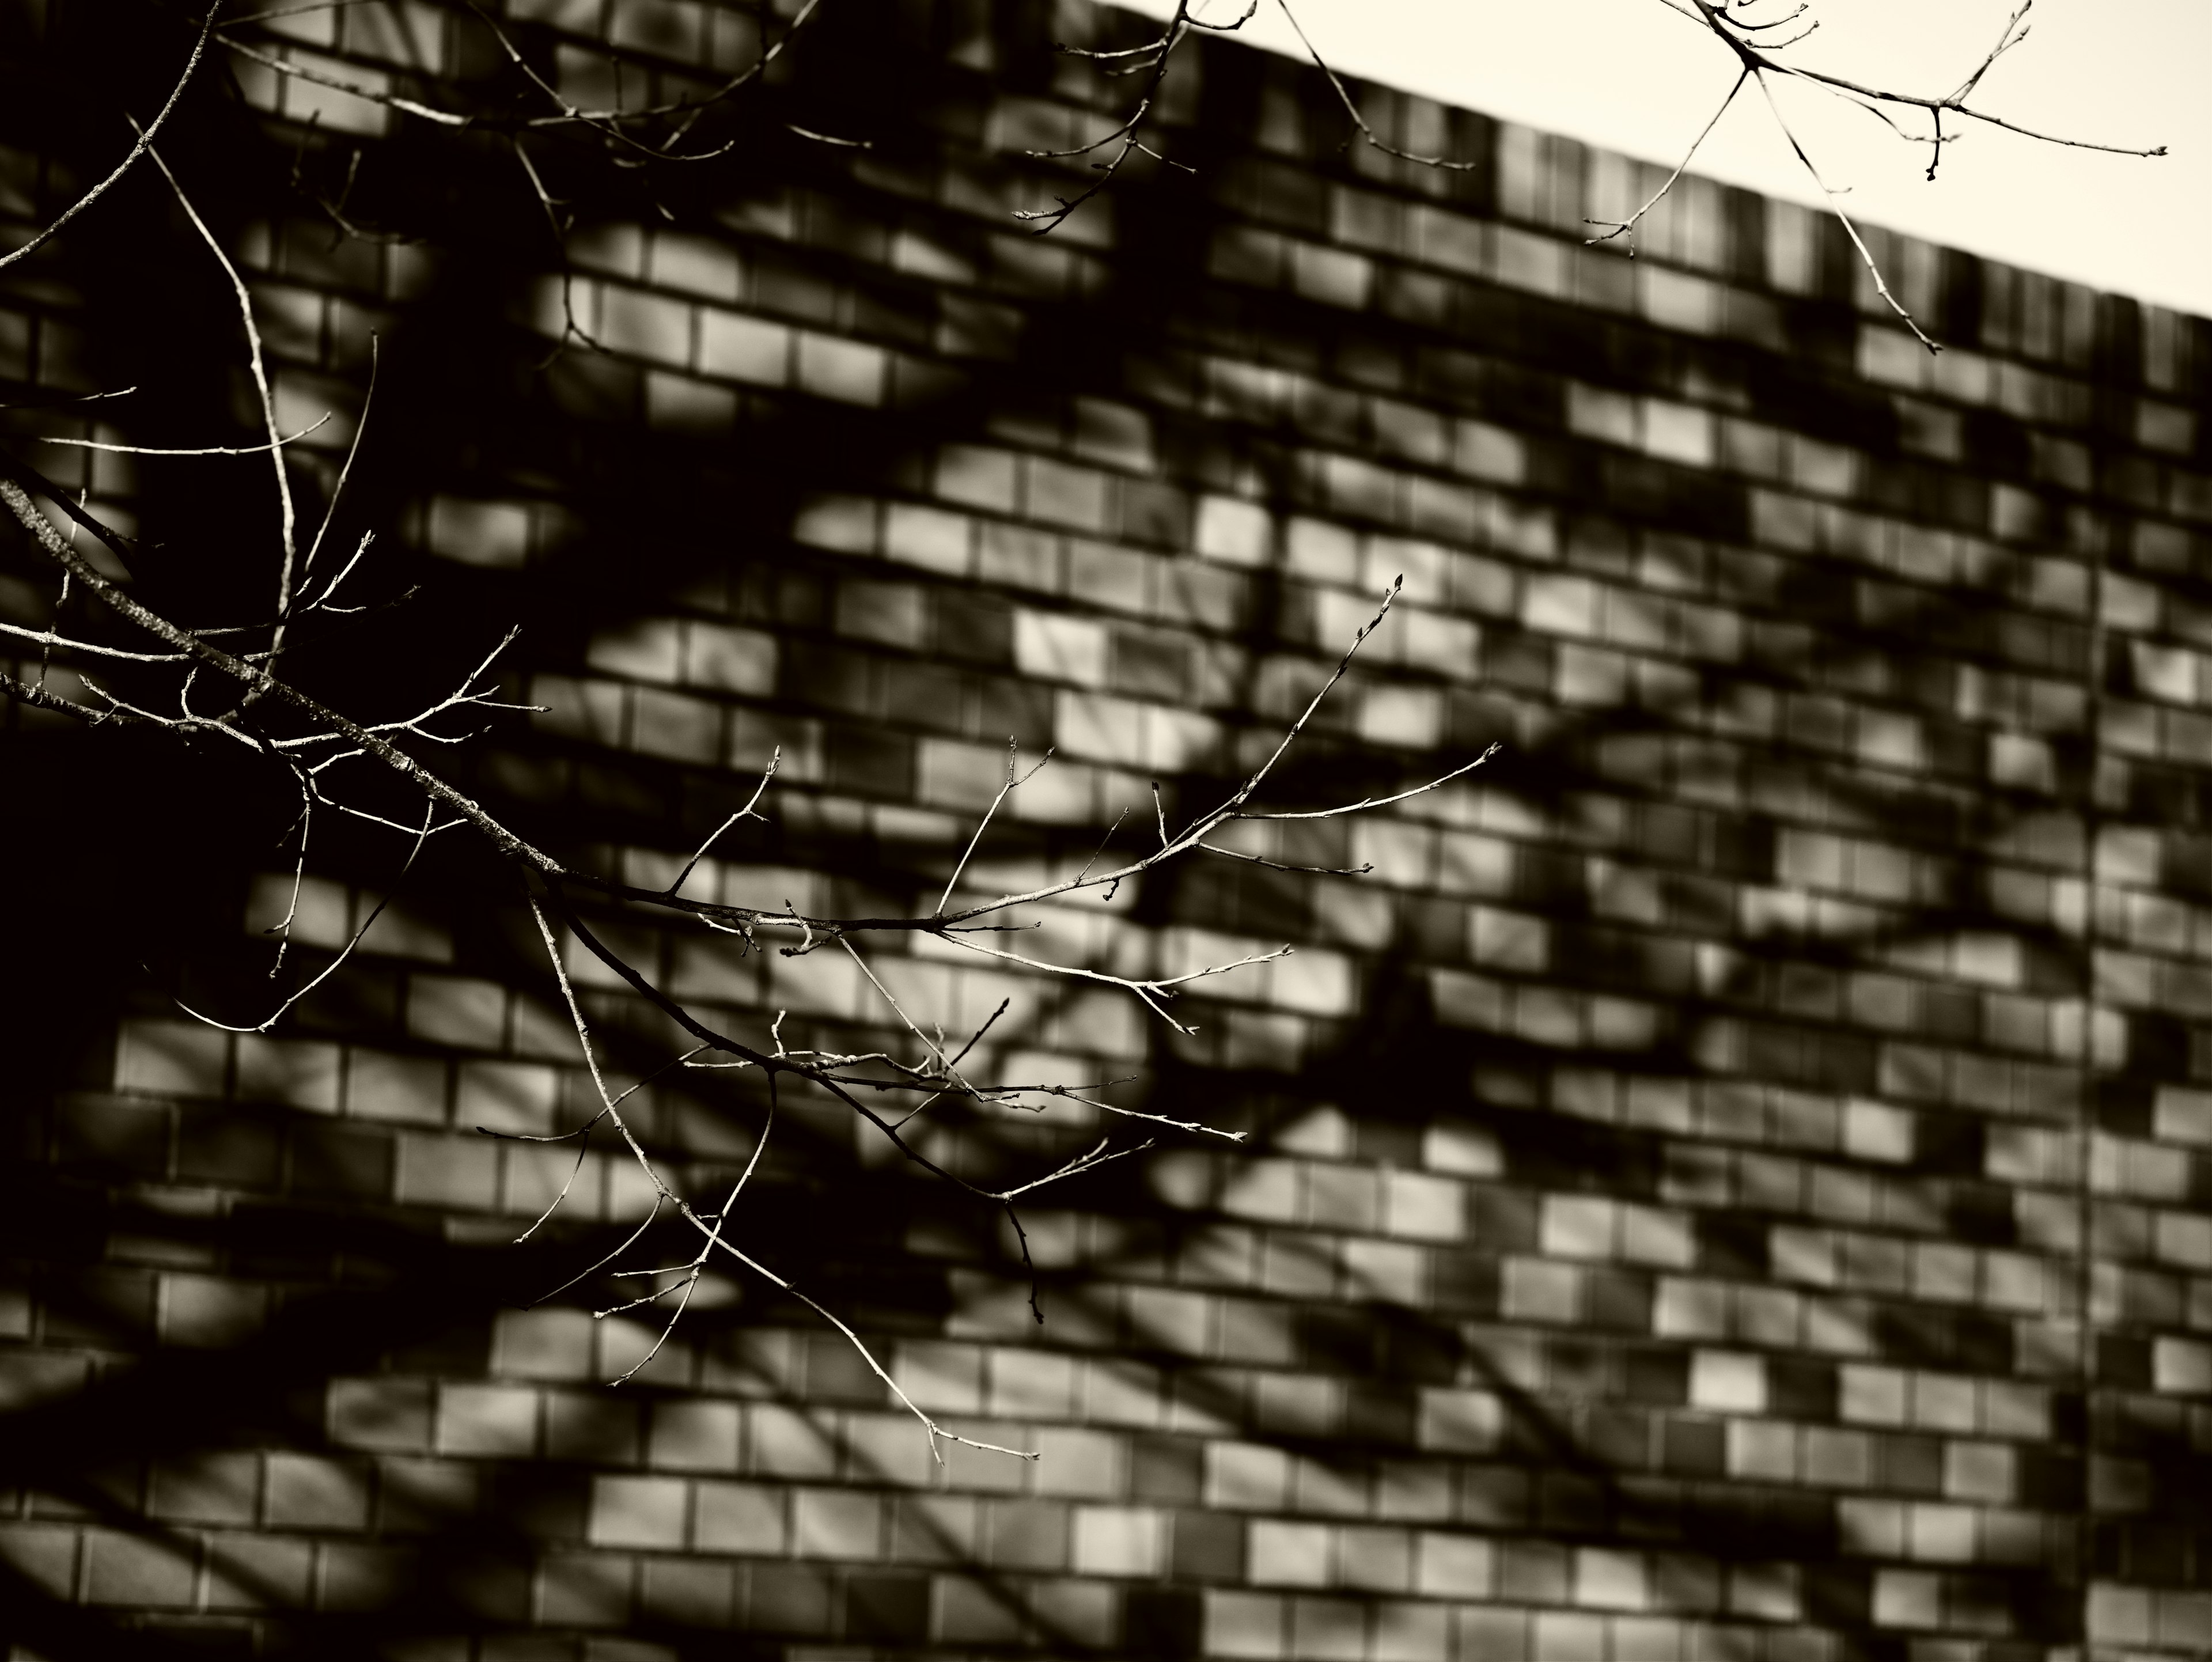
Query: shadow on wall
point(1492, 1318)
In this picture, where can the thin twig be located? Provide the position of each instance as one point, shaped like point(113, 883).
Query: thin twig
point(331, 968)
point(1012, 785)
point(1620, 226)
point(261, 388)
point(145, 142)
point(1866, 254)
point(776, 760)
point(1344, 97)
point(198, 450)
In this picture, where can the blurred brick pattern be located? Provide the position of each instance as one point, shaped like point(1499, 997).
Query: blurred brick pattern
point(1732, 1183)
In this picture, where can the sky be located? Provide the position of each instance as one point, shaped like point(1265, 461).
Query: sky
point(1634, 76)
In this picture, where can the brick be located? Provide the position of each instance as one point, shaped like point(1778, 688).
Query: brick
point(457, 1171)
point(846, 371)
point(1727, 1382)
point(782, 1442)
point(131, 1570)
point(646, 325)
point(1239, 533)
point(454, 1010)
point(743, 1518)
point(592, 1427)
point(207, 1487)
point(506, 1096)
point(172, 1058)
point(487, 1420)
point(1061, 648)
point(300, 1073)
point(941, 1528)
point(380, 1413)
point(1026, 1534)
point(302, 1492)
point(1289, 1555)
point(586, 1590)
point(638, 1512)
point(247, 1573)
point(695, 265)
point(1242, 1476)
point(493, 535)
point(1326, 1627)
point(337, 1162)
point(1459, 1421)
point(408, 1089)
point(694, 1436)
point(1118, 1540)
point(546, 1343)
point(1242, 1624)
point(686, 1593)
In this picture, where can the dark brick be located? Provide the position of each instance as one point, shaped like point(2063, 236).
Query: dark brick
point(229, 1145)
point(1155, 513)
point(782, 287)
point(1276, 191)
point(1620, 1437)
point(1463, 1282)
point(1801, 1526)
point(1379, 1413)
point(1336, 1340)
point(889, 1608)
point(484, 1583)
point(1572, 1504)
point(1687, 1582)
point(2124, 1361)
point(1501, 1220)
point(1909, 1463)
point(836, 1372)
point(1149, 665)
point(1532, 1572)
point(789, 1597)
point(1837, 1595)
point(1728, 1244)
point(338, 1161)
point(1017, 709)
point(99, 1308)
point(1694, 1448)
point(1619, 1298)
point(1496, 1497)
point(359, 998)
point(1659, 1378)
point(545, 1503)
point(1162, 1621)
point(1170, 1470)
point(1983, 1344)
point(112, 1136)
point(833, 678)
point(1382, 1143)
point(1914, 1334)
point(928, 696)
point(1800, 1388)
point(1207, 1546)
point(976, 627)
point(873, 763)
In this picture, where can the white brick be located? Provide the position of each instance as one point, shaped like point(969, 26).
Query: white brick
point(1237, 532)
point(1727, 1382)
point(1056, 646)
point(1117, 1541)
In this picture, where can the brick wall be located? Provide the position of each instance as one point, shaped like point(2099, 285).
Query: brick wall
point(1730, 1182)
